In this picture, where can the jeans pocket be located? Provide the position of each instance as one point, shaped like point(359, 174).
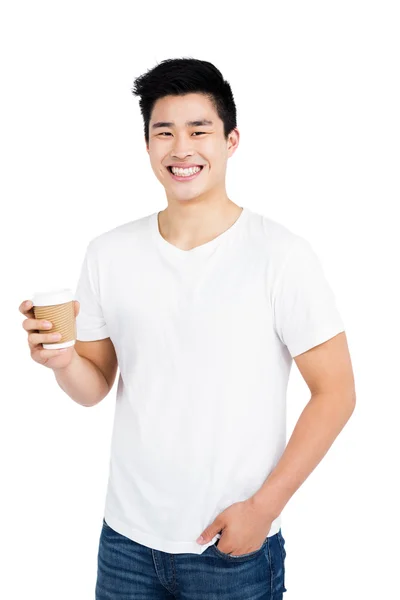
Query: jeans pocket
point(238, 557)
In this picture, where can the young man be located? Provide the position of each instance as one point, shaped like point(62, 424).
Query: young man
point(204, 306)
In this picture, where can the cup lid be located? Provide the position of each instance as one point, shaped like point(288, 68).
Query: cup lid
point(52, 297)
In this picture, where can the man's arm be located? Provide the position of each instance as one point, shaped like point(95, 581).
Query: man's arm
point(91, 373)
point(327, 370)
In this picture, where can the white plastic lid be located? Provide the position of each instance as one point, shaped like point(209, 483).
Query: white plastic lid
point(52, 297)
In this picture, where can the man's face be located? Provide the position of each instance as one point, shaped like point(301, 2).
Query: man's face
point(172, 141)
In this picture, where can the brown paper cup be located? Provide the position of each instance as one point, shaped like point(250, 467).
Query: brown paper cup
point(58, 308)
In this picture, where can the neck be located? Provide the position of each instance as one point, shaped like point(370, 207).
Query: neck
point(194, 222)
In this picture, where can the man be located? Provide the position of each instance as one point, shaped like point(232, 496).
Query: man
point(203, 306)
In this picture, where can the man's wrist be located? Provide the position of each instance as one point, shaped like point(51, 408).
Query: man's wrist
point(267, 502)
point(74, 358)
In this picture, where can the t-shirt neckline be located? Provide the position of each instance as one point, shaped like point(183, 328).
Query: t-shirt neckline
point(203, 249)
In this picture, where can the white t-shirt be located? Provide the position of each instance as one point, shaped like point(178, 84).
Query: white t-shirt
point(205, 339)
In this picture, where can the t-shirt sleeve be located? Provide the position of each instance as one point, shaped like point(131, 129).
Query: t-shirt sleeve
point(90, 322)
point(305, 309)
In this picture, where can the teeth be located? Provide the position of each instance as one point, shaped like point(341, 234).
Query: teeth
point(185, 172)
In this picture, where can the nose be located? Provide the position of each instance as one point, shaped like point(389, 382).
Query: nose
point(181, 155)
point(181, 148)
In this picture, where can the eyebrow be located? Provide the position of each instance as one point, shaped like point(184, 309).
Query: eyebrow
point(201, 123)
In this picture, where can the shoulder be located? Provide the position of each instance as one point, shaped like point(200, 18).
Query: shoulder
point(279, 241)
point(116, 238)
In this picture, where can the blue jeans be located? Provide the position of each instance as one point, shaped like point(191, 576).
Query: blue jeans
point(128, 570)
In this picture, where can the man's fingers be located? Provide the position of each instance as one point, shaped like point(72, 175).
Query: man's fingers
point(26, 308)
point(45, 354)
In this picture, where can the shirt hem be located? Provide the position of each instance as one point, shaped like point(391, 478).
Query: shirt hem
point(318, 338)
point(155, 543)
point(93, 336)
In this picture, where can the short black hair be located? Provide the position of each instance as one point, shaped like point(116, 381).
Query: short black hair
point(180, 76)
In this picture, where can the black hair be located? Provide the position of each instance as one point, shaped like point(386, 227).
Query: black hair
point(180, 76)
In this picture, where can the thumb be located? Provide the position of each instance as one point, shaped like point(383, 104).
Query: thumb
point(77, 307)
point(216, 526)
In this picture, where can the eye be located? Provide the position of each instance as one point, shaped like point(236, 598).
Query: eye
point(197, 132)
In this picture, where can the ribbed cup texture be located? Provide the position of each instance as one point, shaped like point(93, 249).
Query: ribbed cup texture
point(62, 318)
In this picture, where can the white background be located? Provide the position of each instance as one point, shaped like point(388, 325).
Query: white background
point(317, 91)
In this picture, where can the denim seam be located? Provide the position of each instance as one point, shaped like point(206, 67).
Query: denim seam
point(283, 562)
point(271, 566)
point(157, 569)
point(175, 579)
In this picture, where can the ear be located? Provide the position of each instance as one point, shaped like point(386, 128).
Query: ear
point(233, 141)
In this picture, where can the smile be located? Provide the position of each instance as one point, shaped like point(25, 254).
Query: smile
point(185, 174)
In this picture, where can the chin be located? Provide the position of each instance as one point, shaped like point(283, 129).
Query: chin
point(188, 197)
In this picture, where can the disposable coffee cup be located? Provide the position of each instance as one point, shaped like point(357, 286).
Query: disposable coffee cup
point(57, 306)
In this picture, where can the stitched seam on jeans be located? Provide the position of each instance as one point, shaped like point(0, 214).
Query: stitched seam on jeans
point(157, 569)
point(283, 562)
point(271, 568)
point(175, 579)
point(280, 546)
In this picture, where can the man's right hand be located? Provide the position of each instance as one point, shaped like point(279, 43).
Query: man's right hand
point(54, 359)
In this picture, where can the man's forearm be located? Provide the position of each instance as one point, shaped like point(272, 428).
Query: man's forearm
point(319, 424)
point(82, 381)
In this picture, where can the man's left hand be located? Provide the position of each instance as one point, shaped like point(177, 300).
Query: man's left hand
point(244, 526)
